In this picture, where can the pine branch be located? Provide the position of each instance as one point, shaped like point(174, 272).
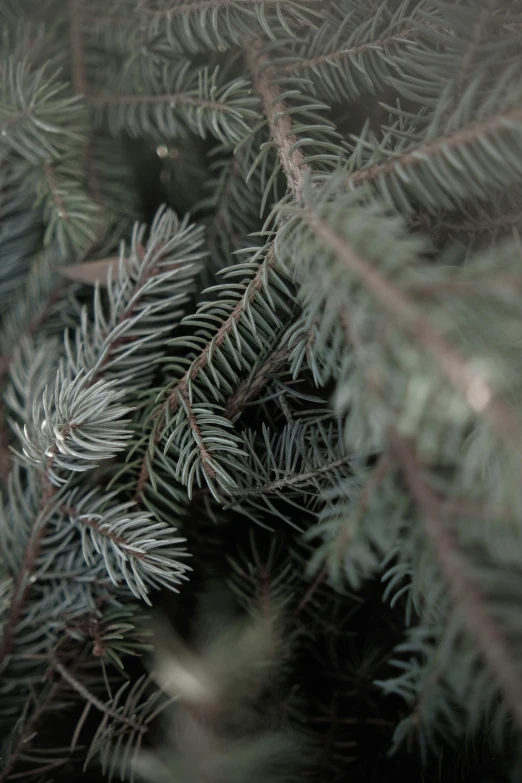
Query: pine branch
point(26, 735)
point(346, 53)
point(251, 387)
point(92, 699)
point(180, 393)
point(22, 586)
point(295, 479)
point(218, 218)
point(500, 123)
point(36, 323)
point(466, 592)
point(479, 395)
point(264, 80)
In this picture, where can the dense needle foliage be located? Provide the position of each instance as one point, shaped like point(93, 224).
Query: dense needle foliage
point(260, 277)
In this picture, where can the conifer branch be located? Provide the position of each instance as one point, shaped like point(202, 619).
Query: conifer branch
point(377, 475)
point(295, 479)
point(218, 218)
point(36, 322)
point(23, 582)
point(251, 387)
point(280, 124)
point(345, 53)
point(500, 123)
point(222, 333)
point(102, 530)
point(92, 699)
point(316, 584)
point(462, 376)
point(467, 594)
point(28, 732)
point(181, 391)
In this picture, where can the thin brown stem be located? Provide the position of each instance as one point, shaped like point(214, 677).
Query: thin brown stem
point(92, 523)
point(466, 591)
point(295, 169)
point(126, 315)
point(461, 374)
point(222, 333)
point(280, 124)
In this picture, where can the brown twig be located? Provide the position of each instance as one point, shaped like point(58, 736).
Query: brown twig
point(280, 124)
point(252, 386)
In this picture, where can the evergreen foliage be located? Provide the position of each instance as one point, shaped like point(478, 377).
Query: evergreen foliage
point(260, 365)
